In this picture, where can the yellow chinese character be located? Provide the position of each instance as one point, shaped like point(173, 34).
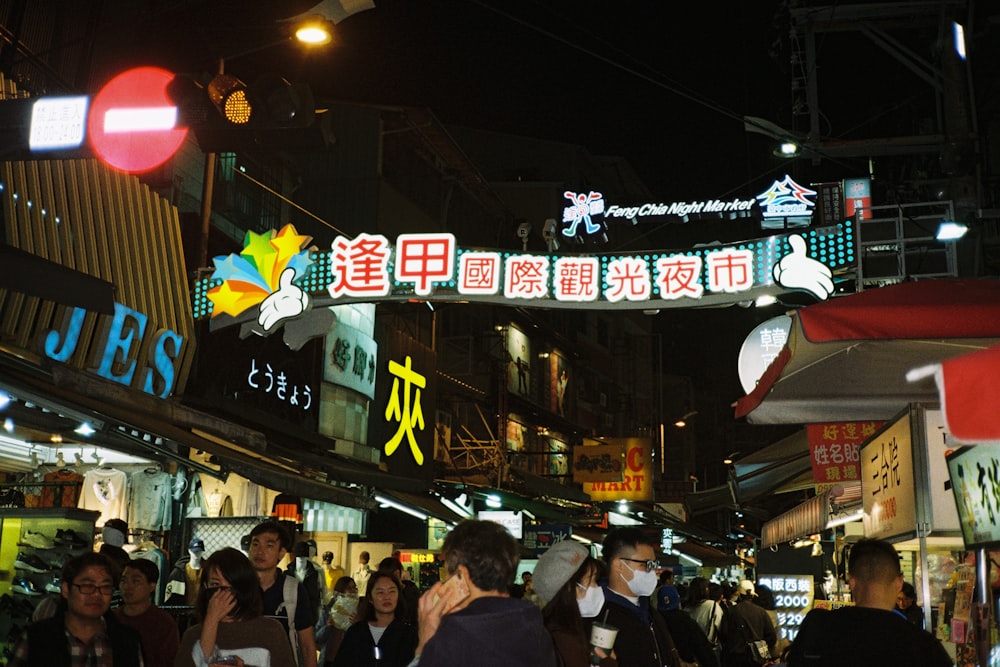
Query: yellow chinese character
point(409, 416)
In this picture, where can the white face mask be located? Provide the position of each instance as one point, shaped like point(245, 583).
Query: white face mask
point(591, 602)
point(642, 583)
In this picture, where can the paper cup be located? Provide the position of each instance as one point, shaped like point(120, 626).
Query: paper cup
point(602, 635)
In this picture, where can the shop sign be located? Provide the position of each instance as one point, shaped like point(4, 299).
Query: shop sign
point(542, 537)
point(887, 482)
point(350, 358)
point(512, 521)
point(939, 445)
point(793, 598)
point(829, 203)
point(598, 463)
point(637, 483)
point(265, 379)
point(119, 346)
point(786, 199)
point(858, 197)
point(415, 557)
point(975, 486)
point(760, 348)
point(57, 123)
point(833, 450)
point(277, 279)
point(404, 397)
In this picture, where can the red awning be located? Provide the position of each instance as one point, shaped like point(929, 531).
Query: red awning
point(969, 387)
point(847, 358)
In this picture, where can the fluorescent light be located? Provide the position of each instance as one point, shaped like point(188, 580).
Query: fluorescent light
point(958, 32)
point(456, 508)
point(4, 399)
point(84, 429)
point(493, 500)
point(789, 148)
point(583, 540)
point(951, 231)
point(385, 502)
point(765, 300)
point(847, 518)
point(616, 519)
point(691, 559)
point(8, 425)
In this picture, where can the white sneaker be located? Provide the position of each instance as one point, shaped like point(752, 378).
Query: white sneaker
point(37, 540)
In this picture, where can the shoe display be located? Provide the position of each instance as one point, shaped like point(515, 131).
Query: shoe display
point(37, 540)
point(30, 562)
point(69, 538)
point(24, 587)
point(54, 586)
point(60, 561)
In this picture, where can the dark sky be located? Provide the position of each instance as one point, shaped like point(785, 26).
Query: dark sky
point(662, 84)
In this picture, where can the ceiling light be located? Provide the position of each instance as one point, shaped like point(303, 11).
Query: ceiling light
point(493, 500)
point(788, 149)
point(765, 300)
point(951, 231)
point(622, 506)
point(84, 429)
point(8, 425)
point(4, 399)
point(55, 438)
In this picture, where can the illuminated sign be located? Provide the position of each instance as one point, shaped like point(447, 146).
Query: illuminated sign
point(121, 341)
point(404, 408)
point(132, 122)
point(793, 598)
point(543, 537)
point(57, 123)
point(833, 450)
point(510, 520)
point(786, 199)
point(262, 377)
point(976, 488)
point(679, 208)
point(637, 481)
point(887, 482)
point(598, 463)
point(760, 348)
point(858, 196)
point(350, 359)
point(276, 278)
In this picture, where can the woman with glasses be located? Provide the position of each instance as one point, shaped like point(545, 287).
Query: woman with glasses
point(82, 631)
point(232, 630)
point(385, 639)
point(565, 579)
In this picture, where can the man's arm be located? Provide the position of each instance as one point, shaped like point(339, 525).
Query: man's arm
point(307, 643)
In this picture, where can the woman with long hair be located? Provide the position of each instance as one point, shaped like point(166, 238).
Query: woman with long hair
point(232, 629)
point(704, 610)
point(343, 614)
point(384, 638)
point(565, 579)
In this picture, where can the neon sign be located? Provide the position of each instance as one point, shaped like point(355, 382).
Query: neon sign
point(275, 279)
point(786, 199)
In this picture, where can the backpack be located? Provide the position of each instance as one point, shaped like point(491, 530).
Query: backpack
point(290, 598)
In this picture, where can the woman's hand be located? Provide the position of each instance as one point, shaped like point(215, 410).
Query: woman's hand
point(221, 605)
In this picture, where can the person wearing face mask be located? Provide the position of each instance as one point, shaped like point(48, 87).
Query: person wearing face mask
point(643, 638)
point(565, 581)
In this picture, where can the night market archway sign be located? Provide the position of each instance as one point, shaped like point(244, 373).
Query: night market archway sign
point(278, 278)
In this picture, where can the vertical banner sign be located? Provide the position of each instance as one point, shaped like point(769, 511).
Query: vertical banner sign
point(858, 196)
point(887, 484)
point(401, 421)
point(637, 483)
point(793, 598)
point(833, 450)
point(829, 204)
point(559, 383)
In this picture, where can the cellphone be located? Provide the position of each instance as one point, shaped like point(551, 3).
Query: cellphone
point(455, 581)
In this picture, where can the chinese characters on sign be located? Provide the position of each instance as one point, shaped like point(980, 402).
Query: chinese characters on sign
point(404, 409)
point(542, 537)
point(793, 598)
point(263, 378)
point(887, 482)
point(833, 450)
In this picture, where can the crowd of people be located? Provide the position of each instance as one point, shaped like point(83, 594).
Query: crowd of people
point(573, 610)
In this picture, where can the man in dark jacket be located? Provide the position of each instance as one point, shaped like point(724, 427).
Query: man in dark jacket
point(743, 623)
point(469, 620)
point(872, 631)
point(82, 631)
point(643, 638)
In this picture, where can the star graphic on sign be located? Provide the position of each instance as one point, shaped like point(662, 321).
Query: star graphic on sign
point(258, 249)
point(226, 299)
point(288, 243)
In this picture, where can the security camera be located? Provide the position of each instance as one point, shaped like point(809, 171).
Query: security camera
point(523, 230)
point(549, 229)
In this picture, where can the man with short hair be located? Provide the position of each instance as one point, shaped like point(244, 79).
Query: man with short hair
point(269, 542)
point(157, 629)
point(469, 619)
point(82, 633)
point(643, 639)
point(871, 632)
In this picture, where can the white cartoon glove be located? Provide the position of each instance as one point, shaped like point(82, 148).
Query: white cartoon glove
point(797, 270)
point(288, 301)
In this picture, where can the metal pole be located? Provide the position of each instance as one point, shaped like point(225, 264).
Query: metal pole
point(207, 192)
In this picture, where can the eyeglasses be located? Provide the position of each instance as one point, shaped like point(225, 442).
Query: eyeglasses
point(90, 589)
point(650, 564)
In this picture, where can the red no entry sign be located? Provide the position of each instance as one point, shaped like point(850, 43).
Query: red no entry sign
point(132, 121)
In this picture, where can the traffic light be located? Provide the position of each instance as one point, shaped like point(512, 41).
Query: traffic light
point(226, 114)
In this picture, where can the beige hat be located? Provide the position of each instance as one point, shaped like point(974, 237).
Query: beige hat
point(557, 566)
point(746, 588)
